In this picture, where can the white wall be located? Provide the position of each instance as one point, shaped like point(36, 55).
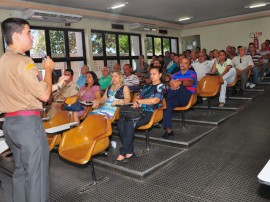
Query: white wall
point(234, 33)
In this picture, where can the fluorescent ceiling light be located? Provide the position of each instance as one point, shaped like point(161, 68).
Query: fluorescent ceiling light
point(119, 5)
point(257, 5)
point(184, 19)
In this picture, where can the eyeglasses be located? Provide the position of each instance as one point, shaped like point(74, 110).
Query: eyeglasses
point(240, 60)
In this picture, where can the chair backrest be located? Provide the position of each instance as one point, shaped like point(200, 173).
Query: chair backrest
point(60, 118)
point(156, 117)
point(209, 86)
point(86, 140)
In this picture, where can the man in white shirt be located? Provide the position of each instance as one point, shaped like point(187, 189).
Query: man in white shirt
point(131, 80)
point(243, 64)
point(202, 67)
point(223, 66)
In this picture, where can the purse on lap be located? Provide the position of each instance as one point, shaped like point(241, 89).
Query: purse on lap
point(129, 113)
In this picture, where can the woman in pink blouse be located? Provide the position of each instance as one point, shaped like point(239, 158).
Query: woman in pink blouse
point(88, 92)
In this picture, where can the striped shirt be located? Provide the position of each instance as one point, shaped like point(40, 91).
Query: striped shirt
point(131, 80)
point(185, 77)
point(256, 58)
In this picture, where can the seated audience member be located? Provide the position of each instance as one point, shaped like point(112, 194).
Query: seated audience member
point(116, 67)
point(182, 86)
point(149, 99)
point(161, 60)
point(267, 44)
point(167, 58)
point(105, 80)
point(238, 49)
point(215, 56)
point(115, 94)
point(193, 58)
point(243, 63)
point(202, 67)
point(154, 57)
point(175, 66)
point(188, 52)
point(171, 62)
point(223, 66)
point(197, 51)
point(181, 57)
point(233, 52)
point(81, 79)
point(88, 92)
point(257, 61)
point(142, 66)
point(265, 57)
point(68, 90)
point(211, 55)
point(205, 53)
point(131, 80)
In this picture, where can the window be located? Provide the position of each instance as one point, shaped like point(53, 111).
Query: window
point(112, 47)
point(65, 46)
point(156, 45)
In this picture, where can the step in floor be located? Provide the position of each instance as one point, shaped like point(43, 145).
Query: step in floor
point(144, 164)
point(201, 116)
point(247, 95)
point(182, 137)
point(231, 104)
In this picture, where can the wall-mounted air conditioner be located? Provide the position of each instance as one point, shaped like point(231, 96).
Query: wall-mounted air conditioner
point(142, 27)
point(49, 16)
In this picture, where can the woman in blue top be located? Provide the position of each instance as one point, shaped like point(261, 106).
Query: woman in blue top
point(149, 99)
point(115, 94)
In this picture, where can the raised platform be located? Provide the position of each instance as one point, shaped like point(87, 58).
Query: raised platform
point(247, 95)
point(144, 164)
point(200, 116)
point(231, 104)
point(183, 138)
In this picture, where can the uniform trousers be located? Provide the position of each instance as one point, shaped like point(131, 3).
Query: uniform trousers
point(175, 98)
point(26, 137)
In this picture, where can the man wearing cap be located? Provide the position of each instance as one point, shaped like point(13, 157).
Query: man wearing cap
point(22, 91)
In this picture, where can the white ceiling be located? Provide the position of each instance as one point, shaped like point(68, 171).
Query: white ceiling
point(163, 13)
point(166, 10)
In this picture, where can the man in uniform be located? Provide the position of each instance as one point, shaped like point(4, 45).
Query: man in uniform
point(22, 90)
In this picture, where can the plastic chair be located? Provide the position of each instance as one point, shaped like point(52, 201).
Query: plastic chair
point(86, 112)
point(209, 86)
point(156, 117)
point(192, 102)
point(79, 144)
point(60, 118)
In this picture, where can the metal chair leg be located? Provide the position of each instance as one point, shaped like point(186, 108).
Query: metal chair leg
point(183, 121)
point(94, 179)
point(147, 140)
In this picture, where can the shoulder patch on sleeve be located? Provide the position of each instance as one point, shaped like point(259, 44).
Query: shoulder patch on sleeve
point(30, 66)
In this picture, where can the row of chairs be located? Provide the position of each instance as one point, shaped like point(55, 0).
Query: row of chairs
point(91, 137)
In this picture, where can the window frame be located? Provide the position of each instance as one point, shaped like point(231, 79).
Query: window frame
point(67, 58)
point(162, 47)
point(118, 58)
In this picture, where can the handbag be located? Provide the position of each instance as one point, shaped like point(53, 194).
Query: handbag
point(72, 104)
point(130, 113)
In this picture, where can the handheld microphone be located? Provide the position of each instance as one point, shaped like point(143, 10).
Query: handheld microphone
point(43, 56)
